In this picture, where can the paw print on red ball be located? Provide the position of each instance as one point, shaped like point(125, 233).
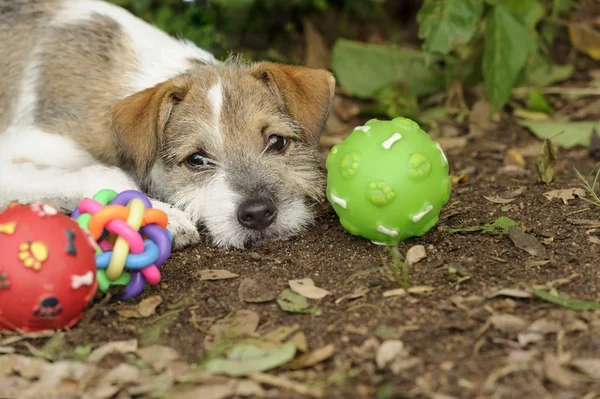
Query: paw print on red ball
point(48, 307)
point(4, 283)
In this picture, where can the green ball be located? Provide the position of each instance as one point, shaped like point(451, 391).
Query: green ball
point(388, 181)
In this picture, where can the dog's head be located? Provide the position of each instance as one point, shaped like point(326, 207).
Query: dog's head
point(234, 146)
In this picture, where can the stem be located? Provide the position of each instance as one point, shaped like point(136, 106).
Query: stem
point(582, 91)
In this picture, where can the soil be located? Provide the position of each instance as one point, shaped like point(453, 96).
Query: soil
point(445, 329)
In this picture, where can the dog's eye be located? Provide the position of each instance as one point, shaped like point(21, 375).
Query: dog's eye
point(277, 143)
point(196, 160)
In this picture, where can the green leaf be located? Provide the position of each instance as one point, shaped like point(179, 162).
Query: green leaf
point(498, 226)
point(541, 72)
point(446, 24)
point(528, 11)
point(555, 298)
point(245, 359)
point(537, 102)
point(563, 133)
point(364, 69)
point(507, 46)
point(290, 301)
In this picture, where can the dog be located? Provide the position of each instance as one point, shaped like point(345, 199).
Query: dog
point(94, 98)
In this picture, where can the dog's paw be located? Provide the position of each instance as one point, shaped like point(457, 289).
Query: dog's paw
point(184, 231)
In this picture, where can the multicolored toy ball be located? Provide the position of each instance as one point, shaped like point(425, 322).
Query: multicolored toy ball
point(133, 240)
point(47, 269)
point(388, 181)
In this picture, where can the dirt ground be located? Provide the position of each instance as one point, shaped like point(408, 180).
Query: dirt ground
point(459, 337)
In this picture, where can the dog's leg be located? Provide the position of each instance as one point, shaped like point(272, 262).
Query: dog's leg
point(27, 182)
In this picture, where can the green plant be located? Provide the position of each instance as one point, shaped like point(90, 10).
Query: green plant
point(397, 268)
point(503, 43)
point(590, 188)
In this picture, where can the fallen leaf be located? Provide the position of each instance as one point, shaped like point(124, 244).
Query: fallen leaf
point(585, 39)
point(306, 287)
point(245, 359)
point(545, 163)
point(559, 375)
point(146, 308)
point(452, 143)
point(113, 347)
point(229, 389)
point(60, 378)
point(316, 52)
point(544, 326)
point(553, 297)
point(526, 242)
point(565, 194)
point(415, 254)
point(564, 134)
point(422, 289)
point(463, 178)
point(314, 357)
point(158, 356)
point(527, 338)
point(28, 367)
point(512, 292)
point(357, 293)
point(495, 199)
point(498, 226)
point(388, 351)
point(240, 323)
point(122, 374)
point(290, 301)
point(305, 390)
point(513, 157)
point(530, 115)
point(508, 323)
point(299, 340)
point(215, 274)
point(590, 367)
point(251, 291)
point(480, 118)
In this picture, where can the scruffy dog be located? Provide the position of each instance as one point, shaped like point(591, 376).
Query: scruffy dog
point(92, 97)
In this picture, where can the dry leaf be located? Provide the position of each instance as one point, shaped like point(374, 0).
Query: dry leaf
point(357, 293)
point(145, 308)
point(122, 374)
point(388, 351)
point(306, 287)
point(557, 374)
point(316, 52)
point(527, 338)
point(585, 39)
point(237, 324)
point(545, 163)
point(508, 323)
point(299, 340)
point(112, 347)
point(415, 254)
point(421, 289)
point(158, 356)
point(565, 194)
point(495, 199)
point(229, 389)
point(215, 274)
point(452, 143)
point(513, 157)
point(590, 367)
point(251, 291)
point(479, 118)
point(314, 357)
point(304, 390)
point(28, 367)
point(526, 242)
point(463, 178)
point(512, 292)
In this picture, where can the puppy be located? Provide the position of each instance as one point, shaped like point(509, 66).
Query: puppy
point(94, 98)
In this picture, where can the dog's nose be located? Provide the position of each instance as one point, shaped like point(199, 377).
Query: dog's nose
point(257, 213)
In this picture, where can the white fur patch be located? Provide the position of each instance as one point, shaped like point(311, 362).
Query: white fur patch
point(215, 96)
point(159, 56)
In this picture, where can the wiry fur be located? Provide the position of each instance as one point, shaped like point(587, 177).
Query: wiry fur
point(96, 99)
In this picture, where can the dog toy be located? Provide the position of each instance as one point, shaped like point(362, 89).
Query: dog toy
point(388, 181)
point(47, 269)
point(132, 239)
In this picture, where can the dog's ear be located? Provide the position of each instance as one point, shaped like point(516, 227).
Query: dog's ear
point(139, 122)
point(307, 93)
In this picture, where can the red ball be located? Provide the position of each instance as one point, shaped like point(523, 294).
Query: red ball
point(47, 269)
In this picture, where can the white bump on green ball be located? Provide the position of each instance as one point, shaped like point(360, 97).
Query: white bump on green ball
point(393, 138)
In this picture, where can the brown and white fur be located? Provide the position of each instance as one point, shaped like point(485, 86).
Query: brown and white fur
point(92, 97)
